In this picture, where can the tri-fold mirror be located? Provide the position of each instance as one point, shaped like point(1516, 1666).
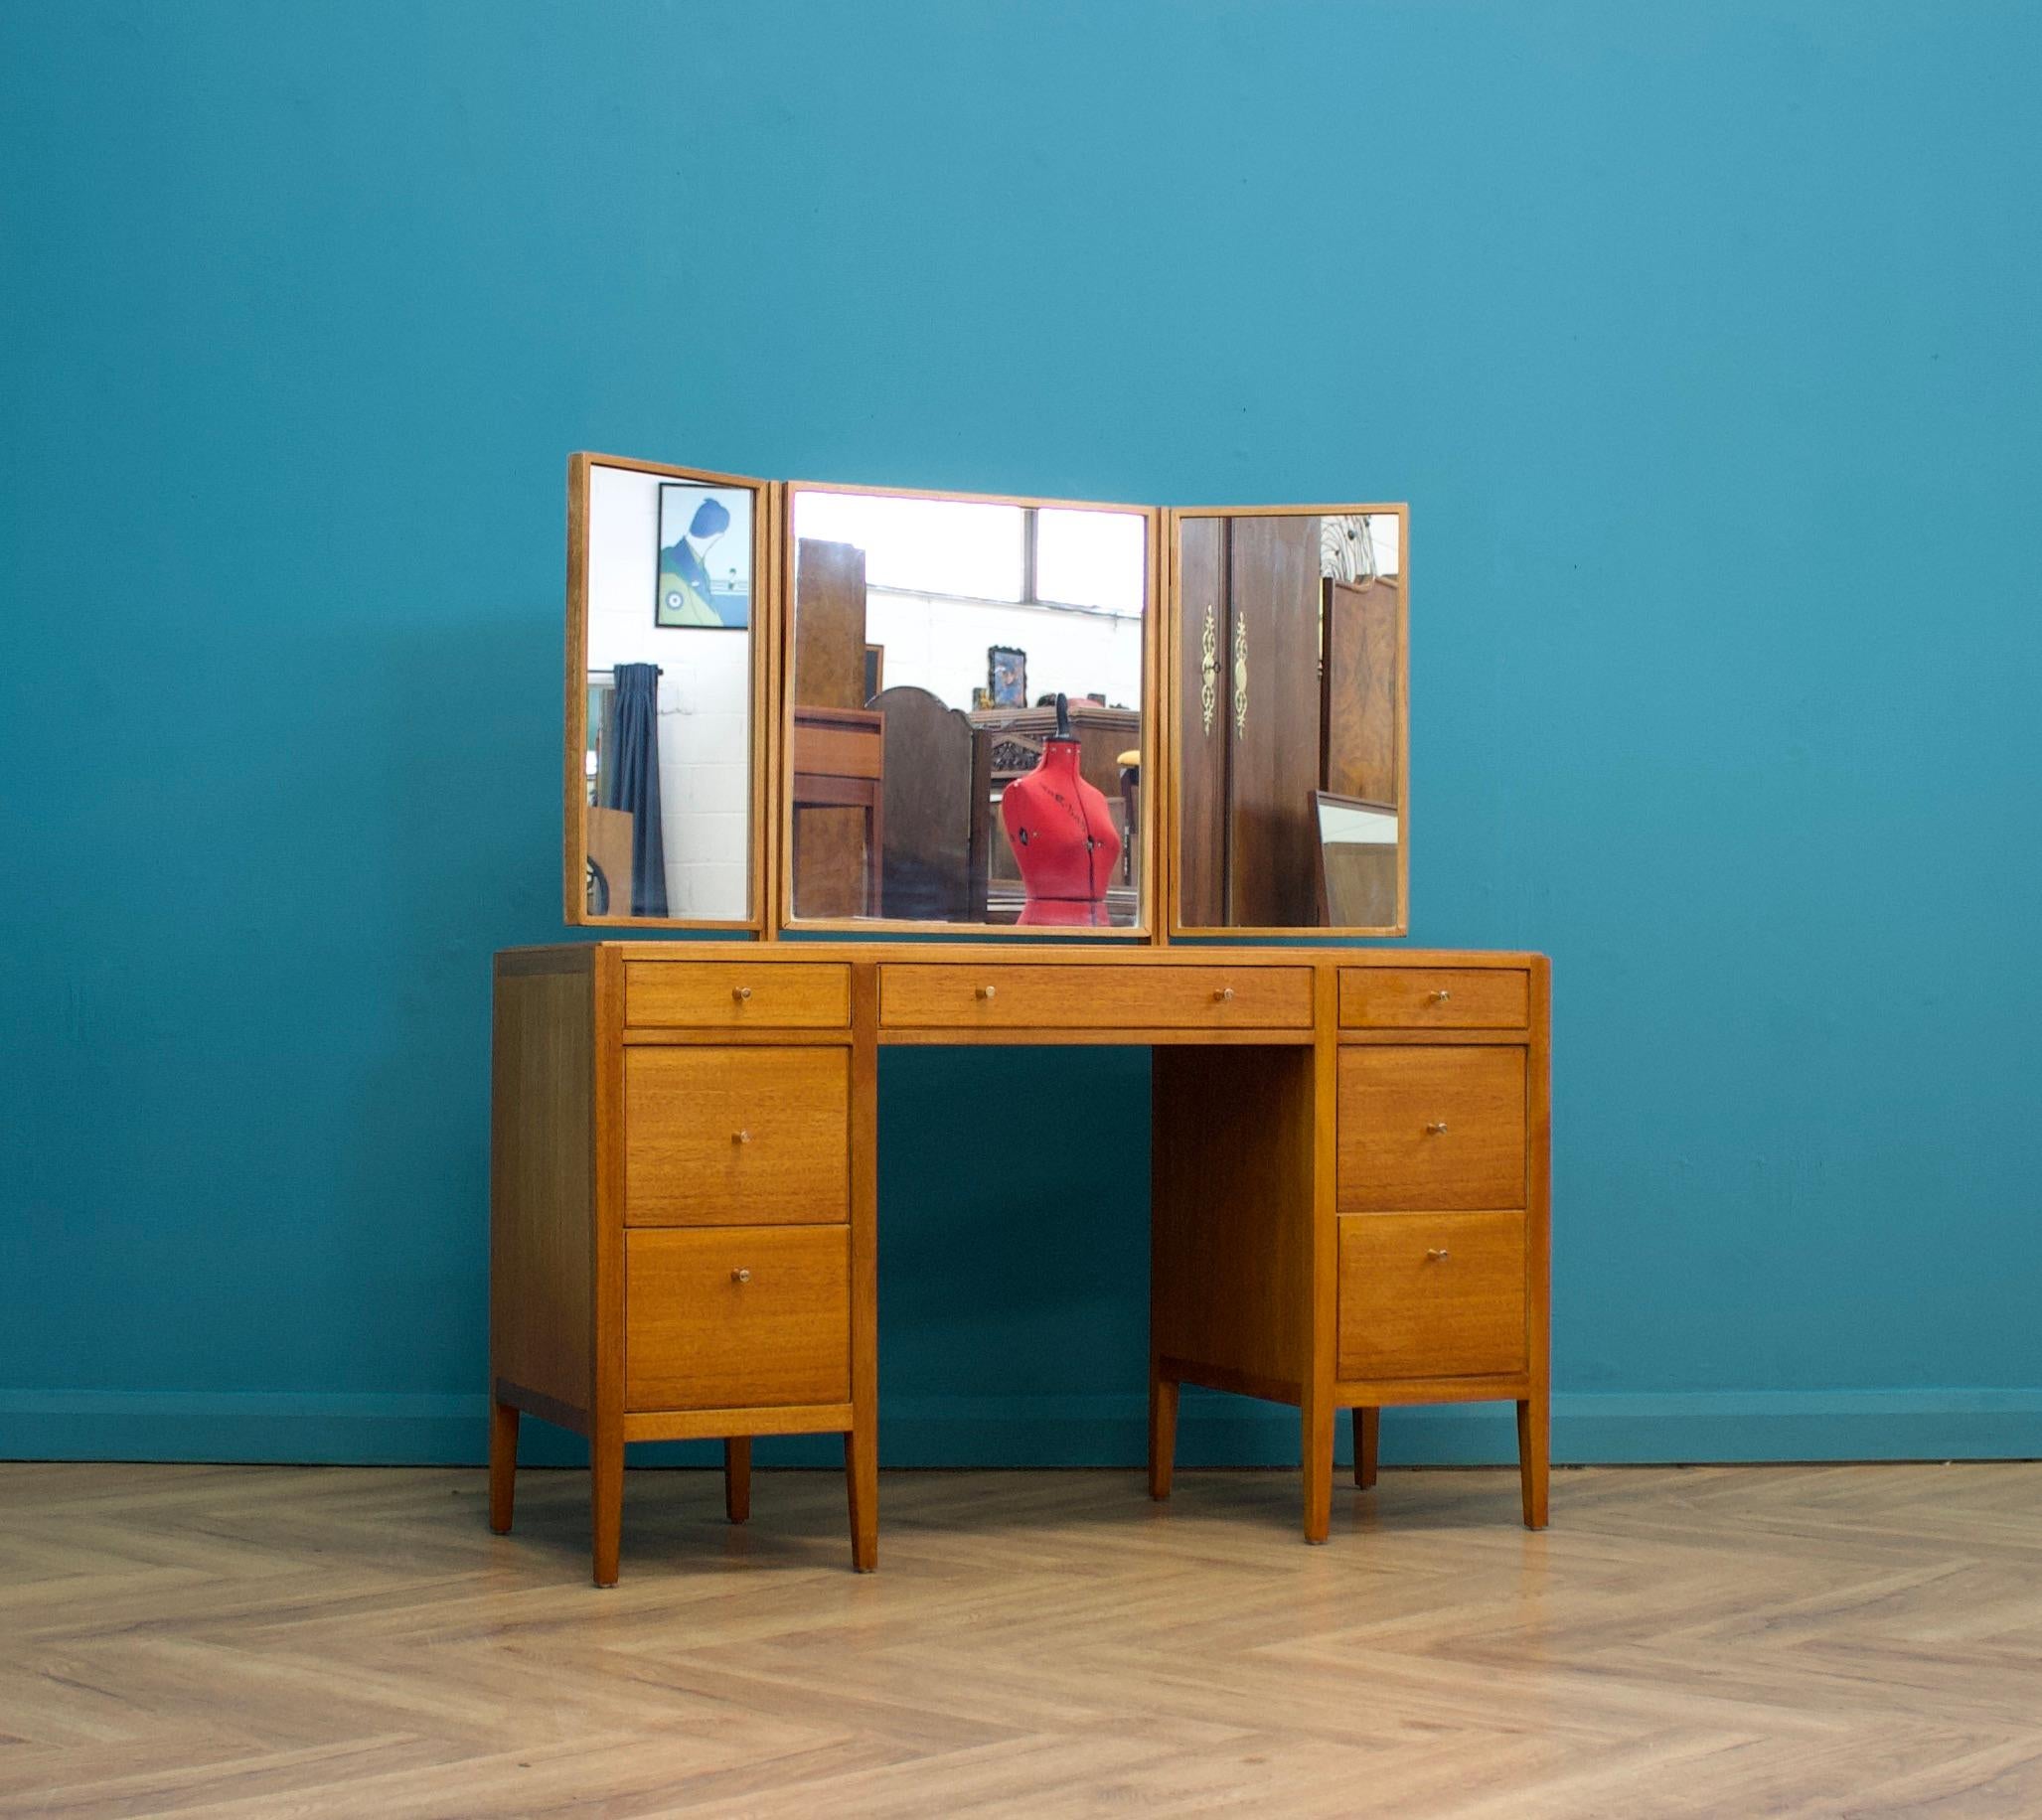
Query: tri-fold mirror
point(849, 709)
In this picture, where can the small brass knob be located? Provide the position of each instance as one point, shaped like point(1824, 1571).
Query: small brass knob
point(1440, 996)
point(744, 1276)
point(1435, 1127)
point(741, 992)
point(1225, 995)
point(740, 1136)
point(986, 992)
point(1436, 1256)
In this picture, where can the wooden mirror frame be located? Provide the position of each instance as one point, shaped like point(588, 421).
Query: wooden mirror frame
point(1154, 744)
point(763, 641)
point(1180, 637)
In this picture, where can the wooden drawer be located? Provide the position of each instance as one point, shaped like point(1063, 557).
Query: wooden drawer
point(737, 994)
point(1005, 997)
point(716, 1136)
point(1435, 997)
point(1431, 1295)
point(737, 1318)
point(1430, 1126)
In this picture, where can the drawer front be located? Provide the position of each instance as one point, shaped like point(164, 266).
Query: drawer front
point(1435, 997)
point(740, 1317)
point(1431, 1294)
point(998, 997)
point(736, 995)
point(1432, 1127)
point(747, 1137)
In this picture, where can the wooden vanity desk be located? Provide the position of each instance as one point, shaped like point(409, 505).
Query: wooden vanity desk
point(1348, 1178)
point(1348, 1192)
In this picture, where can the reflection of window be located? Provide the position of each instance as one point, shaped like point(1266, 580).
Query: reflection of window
point(925, 546)
point(1053, 556)
point(1088, 559)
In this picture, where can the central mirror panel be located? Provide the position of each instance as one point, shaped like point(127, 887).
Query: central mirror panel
point(967, 725)
point(1291, 741)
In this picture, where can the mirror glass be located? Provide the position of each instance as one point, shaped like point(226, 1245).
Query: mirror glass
point(668, 592)
point(933, 777)
point(1290, 698)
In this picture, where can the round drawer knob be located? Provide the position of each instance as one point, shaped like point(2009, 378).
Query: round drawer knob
point(745, 1275)
point(740, 1136)
point(1225, 995)
point(1440, 996)
point(741, 992)
point(1435, 1127)
point(986, 992)
point(1436, 1256)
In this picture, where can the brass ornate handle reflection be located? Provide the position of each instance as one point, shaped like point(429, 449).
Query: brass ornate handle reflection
point(1440, 996)
point(1435, 1127)
point(745, 1275)
point(1208, 665)
point(1240, 676)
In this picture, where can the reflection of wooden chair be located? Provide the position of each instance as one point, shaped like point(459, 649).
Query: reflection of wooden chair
point(1129, 812)
point(609, 857)
point(939, 810)
point(840, 762)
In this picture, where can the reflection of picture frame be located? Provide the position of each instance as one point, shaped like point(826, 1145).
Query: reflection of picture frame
point(1007, 677)
point(875, 669)
point(703, 557)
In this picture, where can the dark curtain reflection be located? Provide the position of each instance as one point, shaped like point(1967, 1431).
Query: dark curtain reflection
point(633, 783)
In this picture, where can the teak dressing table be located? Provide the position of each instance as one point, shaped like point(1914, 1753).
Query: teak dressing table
point(1349, 1167)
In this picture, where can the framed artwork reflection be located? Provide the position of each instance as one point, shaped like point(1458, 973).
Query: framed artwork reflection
point(704, 558)
point(1007, 677)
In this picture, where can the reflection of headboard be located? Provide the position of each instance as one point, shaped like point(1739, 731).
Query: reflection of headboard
point(939, 819)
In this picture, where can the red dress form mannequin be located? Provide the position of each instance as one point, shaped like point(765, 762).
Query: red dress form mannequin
point(1062, 837)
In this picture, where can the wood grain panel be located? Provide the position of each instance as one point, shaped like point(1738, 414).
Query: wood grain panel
point(1201, 732)
point(1431, 1127)
point(828, 638)
point(1434, 998)
point(1011, 994)
point(736, 995)
point(737, 1315)
point(1273, 719)
point(1431, 1295)
point(541, 1178)
point(1230, 1297)
point(1358, 679)
point(735, 1136)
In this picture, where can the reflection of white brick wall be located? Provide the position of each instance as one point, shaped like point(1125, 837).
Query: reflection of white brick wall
point(704, 697)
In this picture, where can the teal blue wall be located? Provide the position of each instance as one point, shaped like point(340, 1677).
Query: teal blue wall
point(1701, 336)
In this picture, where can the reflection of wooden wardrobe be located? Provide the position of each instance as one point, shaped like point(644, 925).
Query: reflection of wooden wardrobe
point(1248, 715)
point(829, 858)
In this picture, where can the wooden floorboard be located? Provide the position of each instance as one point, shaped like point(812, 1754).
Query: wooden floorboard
point(236, 1640)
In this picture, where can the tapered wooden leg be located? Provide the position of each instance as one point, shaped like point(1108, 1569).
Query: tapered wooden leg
point(1316, 1441)
point(503, 1464)
point(1534, 1450)
point(1367, 1428)
point(861, 1475)
point(606, 1502)
point(737, 1477)
point(1163, 1394)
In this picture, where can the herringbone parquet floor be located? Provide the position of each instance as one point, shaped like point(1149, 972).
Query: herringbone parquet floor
point(281, 1641)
